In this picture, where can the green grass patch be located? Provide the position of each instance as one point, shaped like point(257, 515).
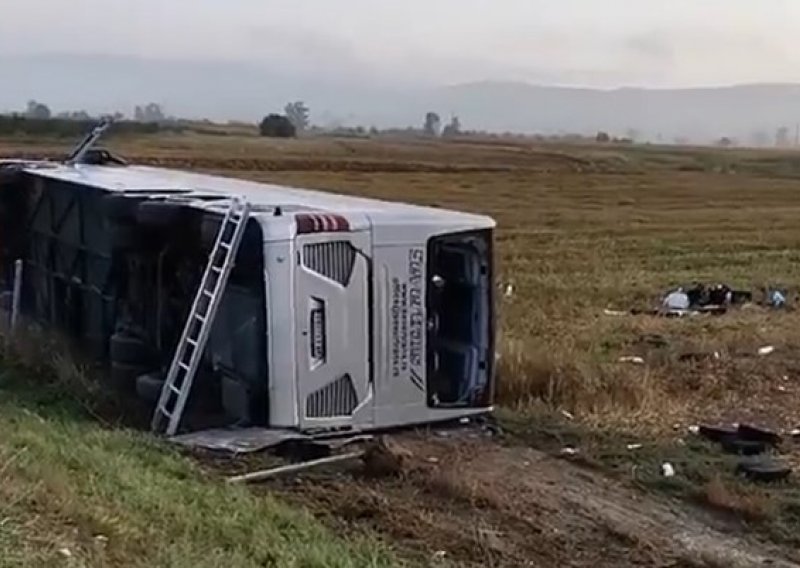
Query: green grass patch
point(73, 493)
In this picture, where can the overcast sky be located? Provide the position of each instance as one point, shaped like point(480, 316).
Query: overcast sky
point(422, 42)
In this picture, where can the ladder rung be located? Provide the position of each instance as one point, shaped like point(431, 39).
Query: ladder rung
point(207, 293)
point(226, 246)
point(184, 366)
point(192, 342)
point(216, 269)
point(163, 410)
point(199, 317)
point(174, 389)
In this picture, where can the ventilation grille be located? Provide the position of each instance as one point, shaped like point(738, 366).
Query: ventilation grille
point(334, 260)
point(334, 399)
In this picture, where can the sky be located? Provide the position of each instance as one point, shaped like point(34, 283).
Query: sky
point(594, 43)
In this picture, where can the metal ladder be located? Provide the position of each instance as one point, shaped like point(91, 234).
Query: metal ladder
point(88, 141)
point(189, 352)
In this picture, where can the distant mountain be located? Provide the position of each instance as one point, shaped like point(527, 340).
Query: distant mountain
point(220, 90)
point(700, 114)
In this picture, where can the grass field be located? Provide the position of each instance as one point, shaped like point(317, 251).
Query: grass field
point(75, 493)
point(581, 229)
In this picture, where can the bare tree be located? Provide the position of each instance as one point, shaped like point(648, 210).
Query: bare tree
point(298, 114)
point(433, 123)
point(152, 112)
point(37, 110)
point(452, 129)
point(725, 142)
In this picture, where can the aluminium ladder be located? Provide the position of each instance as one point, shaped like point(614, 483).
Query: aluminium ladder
point(88, 141)
point(189, 352)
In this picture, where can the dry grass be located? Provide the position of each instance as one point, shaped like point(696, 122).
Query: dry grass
point(581, 229)
point(744, 502)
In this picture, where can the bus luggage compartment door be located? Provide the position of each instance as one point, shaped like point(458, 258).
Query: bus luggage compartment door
point(332, 291)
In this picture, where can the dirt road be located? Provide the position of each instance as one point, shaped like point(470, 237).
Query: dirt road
point(474, 502)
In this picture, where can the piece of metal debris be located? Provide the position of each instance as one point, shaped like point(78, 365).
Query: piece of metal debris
point(65, 552)
point(569, 451)
point(764, 470)
point(667, 469)
point(758, 434)
point(632, 360)
point(293, 468)
point(615, 313)
point(766, 350)
point(635, 446)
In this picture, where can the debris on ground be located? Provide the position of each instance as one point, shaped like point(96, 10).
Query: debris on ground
point(569, 451)
point(264, 474)
point(739, 447)
point(488, 504)
point(777, 299)
point(632, 359)
point(677, 300)
point(716, 433)
point(766, 350)
point(759, 434)
point(667, 469)
point(654, 340)
point(700, 299)
point(751, 441)
point(698, 356)
point(385, 459)
point(616, 313)
point(765, 470)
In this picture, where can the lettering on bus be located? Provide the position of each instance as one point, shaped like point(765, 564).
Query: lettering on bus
point(408, 321)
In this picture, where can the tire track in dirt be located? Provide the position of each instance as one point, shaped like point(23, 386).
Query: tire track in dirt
point(470, 501)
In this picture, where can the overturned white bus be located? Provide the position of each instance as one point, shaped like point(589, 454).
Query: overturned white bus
point(330, 313)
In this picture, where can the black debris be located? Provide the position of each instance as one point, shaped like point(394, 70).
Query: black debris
point(739, 447)
point(764, 470)
point(717, 433)
point(758, 434)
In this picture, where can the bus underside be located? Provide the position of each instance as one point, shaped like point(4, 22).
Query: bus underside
point(116, 275)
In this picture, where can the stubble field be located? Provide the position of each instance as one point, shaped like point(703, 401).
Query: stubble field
point(581, 230)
